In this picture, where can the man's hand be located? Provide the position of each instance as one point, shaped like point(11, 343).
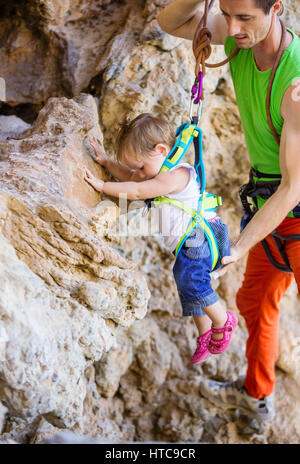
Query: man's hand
point(97, 184)
point(181, 19)
point(227, 262)
point(100, 156)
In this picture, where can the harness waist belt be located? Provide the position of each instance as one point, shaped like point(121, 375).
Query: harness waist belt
point(263, 188)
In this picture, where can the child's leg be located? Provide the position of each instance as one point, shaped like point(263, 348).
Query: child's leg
point(218, 316)
point(222, 329)
point(203, 323)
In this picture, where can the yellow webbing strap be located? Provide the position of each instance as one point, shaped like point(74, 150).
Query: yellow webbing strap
point(210, 237)
point(172, 201)
point(186, 134)
point(208, 203)
point(197, 221)
point(212, 202)
point(174, 159)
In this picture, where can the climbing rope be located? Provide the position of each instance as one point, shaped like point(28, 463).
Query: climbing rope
point(202, 47)
point(282, 47)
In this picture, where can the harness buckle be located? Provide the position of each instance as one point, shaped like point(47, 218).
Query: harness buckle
point(198, 219)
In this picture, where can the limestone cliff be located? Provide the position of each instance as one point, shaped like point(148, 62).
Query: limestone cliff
point(91, 333)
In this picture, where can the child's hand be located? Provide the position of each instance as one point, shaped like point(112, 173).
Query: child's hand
point(93, 181)
point(100, 156)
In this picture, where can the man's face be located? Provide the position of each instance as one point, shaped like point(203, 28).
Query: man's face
point(247, 23)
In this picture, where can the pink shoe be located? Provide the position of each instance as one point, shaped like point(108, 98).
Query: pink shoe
point(219, 346)
point(201, 352)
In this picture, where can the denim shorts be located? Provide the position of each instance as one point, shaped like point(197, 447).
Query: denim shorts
point(192, 268)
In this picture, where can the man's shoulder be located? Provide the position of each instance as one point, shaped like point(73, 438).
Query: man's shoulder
point(288, 72)
point(292, 53)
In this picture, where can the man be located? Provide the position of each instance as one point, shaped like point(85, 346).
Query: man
point(254, 26)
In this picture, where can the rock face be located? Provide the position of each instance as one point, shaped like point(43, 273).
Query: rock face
point(11, 126)
point(91, 333)
point(63, 288)
point(55, 48)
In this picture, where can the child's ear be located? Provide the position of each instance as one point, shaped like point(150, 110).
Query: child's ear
point(162, 149)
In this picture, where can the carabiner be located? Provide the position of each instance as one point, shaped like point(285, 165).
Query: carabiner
point(196, 99)
point(199, 112)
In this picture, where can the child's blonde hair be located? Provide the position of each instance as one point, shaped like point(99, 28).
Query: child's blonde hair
point(141, 135)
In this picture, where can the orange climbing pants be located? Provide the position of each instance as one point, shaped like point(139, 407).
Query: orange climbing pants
point(258, 299)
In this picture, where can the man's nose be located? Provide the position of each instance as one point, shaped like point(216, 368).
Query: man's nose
point(234, 27)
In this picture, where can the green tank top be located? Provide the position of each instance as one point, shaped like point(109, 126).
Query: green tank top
point(251, 86)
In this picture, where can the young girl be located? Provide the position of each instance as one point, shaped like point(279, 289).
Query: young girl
point(141, 147)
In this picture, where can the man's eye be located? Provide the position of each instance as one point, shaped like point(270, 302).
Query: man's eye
point(242, 18)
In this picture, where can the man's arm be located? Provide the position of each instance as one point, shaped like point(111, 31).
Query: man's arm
point(287, 196)
point(181, 18)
